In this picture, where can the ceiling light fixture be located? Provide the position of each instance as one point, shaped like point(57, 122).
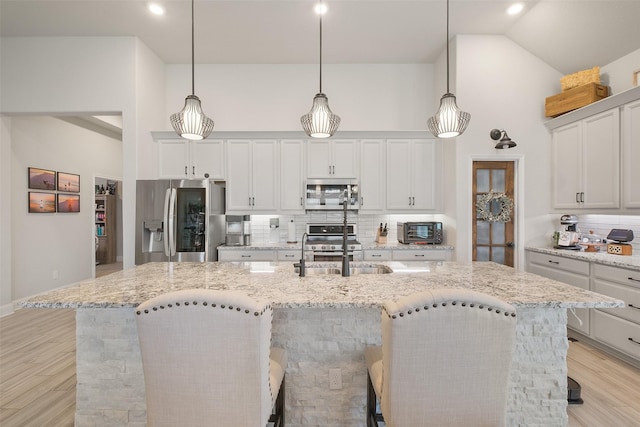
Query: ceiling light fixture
point(505, 141)
point(191, 123)
point(449, 120)
point(320, 122)
point(515, 9)
point(156, 9)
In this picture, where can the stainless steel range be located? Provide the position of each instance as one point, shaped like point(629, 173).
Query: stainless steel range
point(324, 243)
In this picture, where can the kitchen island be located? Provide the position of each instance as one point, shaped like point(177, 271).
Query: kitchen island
point(324, 321)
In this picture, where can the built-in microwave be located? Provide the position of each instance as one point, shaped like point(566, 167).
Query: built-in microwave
point(420, 232)
point(330, 193)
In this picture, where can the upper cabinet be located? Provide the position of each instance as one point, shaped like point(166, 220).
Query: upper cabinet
point(586, 163)
point(252, 178)
point(412, 171)
point(631, 154)
point(292, 176)
point(183, 159)
point(372, 175)
point(332, 158)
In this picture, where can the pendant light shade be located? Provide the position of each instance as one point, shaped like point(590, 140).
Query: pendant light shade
point(191, 122)
point(449, 121)
point(320, 122)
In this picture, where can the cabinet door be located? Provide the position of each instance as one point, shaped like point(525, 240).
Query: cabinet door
point(319, 159)
point(207, 157)
point(345, 158)
point(264, 175)
point(565, 157)
point(424, 170)
point(631, 154)
point(372, 175)
point(239, 176)
point(601, 160)
point(173, 158)
point(399, 181)
point(292, 176)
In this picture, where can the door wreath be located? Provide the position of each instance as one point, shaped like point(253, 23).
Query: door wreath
point(485, 203)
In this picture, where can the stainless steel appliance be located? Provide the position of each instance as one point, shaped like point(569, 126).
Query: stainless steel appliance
point(179, 220)
point(420, 232)
point(569, 235)
point(238, 230)
point(329, 194)
point(324, 243)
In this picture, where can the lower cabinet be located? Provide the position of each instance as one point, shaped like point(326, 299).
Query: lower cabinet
point(376, 255)
point(614, 328)
point(289, 255)
point(247, 255)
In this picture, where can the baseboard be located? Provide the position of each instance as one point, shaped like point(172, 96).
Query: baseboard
point(6, 310)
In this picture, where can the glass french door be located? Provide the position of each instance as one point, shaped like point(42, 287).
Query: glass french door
point(493, 237)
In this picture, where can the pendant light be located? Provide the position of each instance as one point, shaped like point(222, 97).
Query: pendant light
point(320, 122)
point(191, 123)
point(449, 120)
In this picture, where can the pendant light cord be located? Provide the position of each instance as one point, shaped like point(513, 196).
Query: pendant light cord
point(320, 53)
point(448, 46)
point(193, 66)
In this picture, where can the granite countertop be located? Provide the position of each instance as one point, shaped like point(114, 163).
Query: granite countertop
point(365, 246)
point(631, 262)
point(278, 283)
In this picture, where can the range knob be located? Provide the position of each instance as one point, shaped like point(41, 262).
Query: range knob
point(352, 247)
point(333, 247)
point(313, 247)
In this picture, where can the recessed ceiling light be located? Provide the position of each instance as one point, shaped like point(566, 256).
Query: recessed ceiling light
point(156, 9)
point(320, 8)
point(515, 9)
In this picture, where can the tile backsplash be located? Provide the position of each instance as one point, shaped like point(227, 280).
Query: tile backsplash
point(367, 224)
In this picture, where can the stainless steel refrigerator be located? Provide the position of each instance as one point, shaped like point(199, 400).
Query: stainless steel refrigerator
point(179, 220)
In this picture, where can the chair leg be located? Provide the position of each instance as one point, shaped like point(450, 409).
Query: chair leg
point(278, 417)
point(372, 416)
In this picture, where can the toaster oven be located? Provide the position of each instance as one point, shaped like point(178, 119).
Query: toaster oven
point(426, 233)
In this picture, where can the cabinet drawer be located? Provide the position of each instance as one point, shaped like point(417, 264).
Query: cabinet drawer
point(560, 263)
point(619, 333)
point(567, 277)
point(419, 255)
point(618, 275)
point(377, 255)
point(630, 296)
point(289, 255)
point(251, 255)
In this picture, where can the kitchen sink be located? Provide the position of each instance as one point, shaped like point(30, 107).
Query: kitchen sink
point(312, 270)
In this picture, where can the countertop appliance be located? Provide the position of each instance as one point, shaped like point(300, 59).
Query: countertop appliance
point(619, 242)
point(569, 235)
point(238, 230)
point(179, 220)
point(324, 243)
point(329, 194)
point(426, 233)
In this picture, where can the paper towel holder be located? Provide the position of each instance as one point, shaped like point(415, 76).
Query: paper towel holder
point(291, 231)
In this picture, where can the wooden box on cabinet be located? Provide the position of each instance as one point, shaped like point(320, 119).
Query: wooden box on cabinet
point(575, 98)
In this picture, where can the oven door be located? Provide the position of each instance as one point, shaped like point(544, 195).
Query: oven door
point(335, 256)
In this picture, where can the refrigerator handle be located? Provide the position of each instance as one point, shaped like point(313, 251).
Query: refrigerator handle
point(172, 215)
point(165, 219)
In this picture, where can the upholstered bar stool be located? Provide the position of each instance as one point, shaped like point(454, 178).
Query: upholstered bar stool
point(207, 360)
point(444, 361)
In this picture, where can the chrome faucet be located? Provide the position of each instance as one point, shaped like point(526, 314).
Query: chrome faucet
point(345, 233)
point(301, 265)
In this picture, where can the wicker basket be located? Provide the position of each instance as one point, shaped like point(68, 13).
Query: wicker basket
point(580, 78)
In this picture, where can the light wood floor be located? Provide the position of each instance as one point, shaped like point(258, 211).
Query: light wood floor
point(38, 376)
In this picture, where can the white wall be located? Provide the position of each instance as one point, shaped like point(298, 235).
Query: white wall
point(619, 74)
point(5, 217)
point(503, 86)
point(60, 242)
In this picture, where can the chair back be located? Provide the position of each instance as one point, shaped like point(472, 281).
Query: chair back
point(446, 359)
point(205, 356)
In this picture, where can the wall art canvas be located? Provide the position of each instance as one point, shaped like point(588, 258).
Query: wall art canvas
point(68, 202)
point(42, 202)
point(68, 182)
point(42, 179)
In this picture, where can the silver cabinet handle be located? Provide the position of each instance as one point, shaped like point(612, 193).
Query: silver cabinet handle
point(185, 170)
point(375, 255)
point(554, 262)
point(289, 256)
point(577, 197)
point(633, 306)
point(253, 201)
point(409, 200)
point(249, 200)
point(633, 280)
point(245, 256)
point(193, 170)
point(581, 197)
point(632, 340)
point(418, 255)
point(301, 201)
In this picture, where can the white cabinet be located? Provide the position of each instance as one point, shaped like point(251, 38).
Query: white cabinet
point(412, 169)
point(252, 178)
point(376, 255)
point(571, 271)
point(631, 154)
point(332, 158)
point(246, 255)
point(372, 175)
point(292, 255)
point(421, 255)
point(292, 176)
point(586, 163)
point(182, 159)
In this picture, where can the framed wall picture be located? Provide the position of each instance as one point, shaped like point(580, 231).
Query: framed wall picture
point(68, 182)
point(68, 202)
point(42, 202)
point(42, 179)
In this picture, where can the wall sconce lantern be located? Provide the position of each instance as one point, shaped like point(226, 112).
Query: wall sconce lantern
point(505, 141)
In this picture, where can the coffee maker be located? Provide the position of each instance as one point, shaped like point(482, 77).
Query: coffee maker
point(569, 235)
